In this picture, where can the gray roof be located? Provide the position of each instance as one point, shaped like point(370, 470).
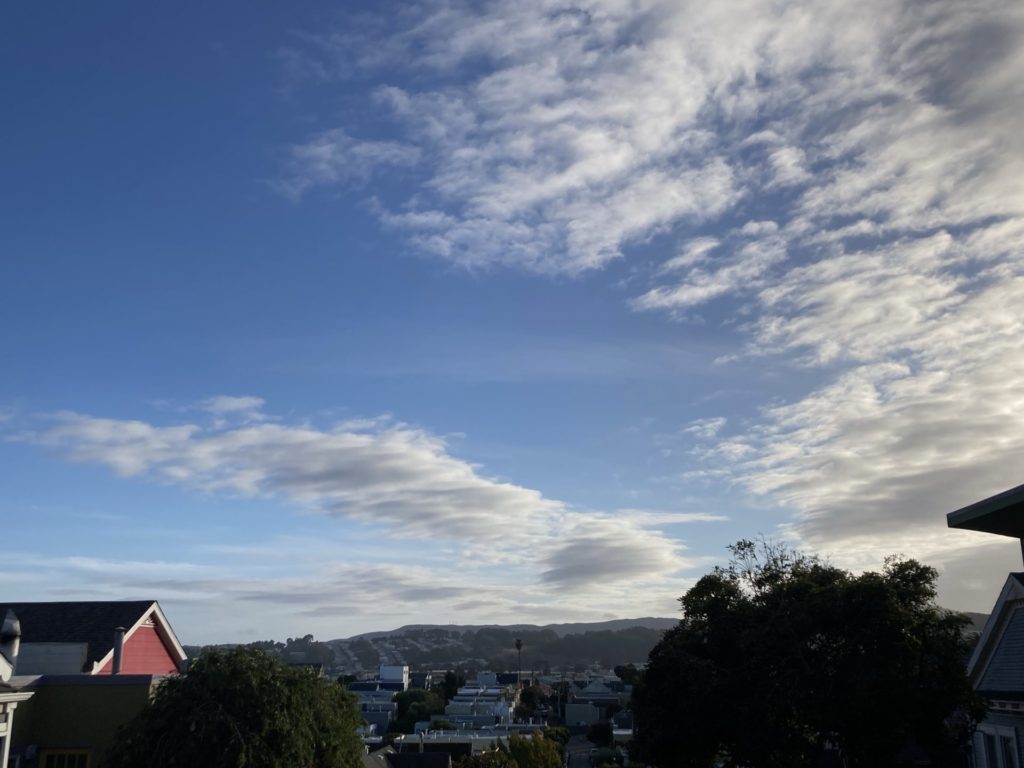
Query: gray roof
point(91, 622)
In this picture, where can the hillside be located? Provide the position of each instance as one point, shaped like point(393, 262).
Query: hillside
point(559, 629)
point(607, 643)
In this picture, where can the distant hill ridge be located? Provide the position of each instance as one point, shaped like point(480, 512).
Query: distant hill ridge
point(562, 630)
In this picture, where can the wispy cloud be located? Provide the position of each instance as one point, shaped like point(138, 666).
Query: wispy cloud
point(389, 476)
point(222, 404)
point(874, 150)
point(333, 156)
point(383, 473)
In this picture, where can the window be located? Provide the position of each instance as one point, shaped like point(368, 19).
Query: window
point(65, 758)
point(996, 747)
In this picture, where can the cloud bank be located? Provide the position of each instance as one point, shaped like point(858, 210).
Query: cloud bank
point(400, 483)
point(847, 177)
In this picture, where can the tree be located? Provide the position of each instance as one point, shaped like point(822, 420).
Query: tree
point(557, 733)
point(535, 752)
point(779, 654)
point(531, 696)
point(451, 684)
point(627, 673)
point(415, 705)
point(495, 758)
point(520, 752)
point(245, 709)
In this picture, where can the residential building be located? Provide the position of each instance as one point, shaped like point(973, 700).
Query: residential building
point(376, 698)
point(996, 667)
point(482, 705)
point(83, 670)
point(94, 637)
point(10, 696)
point(592, 703)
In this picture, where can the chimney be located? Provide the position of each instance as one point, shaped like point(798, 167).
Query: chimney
point(10, 639)
point(115, 667)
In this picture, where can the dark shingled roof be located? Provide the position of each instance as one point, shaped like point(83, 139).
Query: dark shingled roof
point(77, 622)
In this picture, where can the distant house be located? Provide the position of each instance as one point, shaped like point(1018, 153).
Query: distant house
point(376, 698)
point(94, 637)
point(591, 703)
point(996, 667)
point(481, 705)
point(423, 680)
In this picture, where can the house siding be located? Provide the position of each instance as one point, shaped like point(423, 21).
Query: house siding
point(79, 711)
point(144, 654)
point(1005, 670)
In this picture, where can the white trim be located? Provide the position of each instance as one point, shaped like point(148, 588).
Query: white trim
point(163, 629)
point(13, 697)
point(998, 732)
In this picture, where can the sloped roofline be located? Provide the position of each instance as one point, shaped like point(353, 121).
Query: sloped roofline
point(1002, 514)
point(1012, 592)
point(163, 629)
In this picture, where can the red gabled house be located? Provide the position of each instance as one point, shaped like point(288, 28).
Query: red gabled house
point(95, 638)
point(82, 670)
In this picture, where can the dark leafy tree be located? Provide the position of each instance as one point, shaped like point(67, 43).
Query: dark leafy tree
point(242, 708)
point(780, 654)
point(415, 705)
point(520, 752)
point(557, 733)
point(451, 684)
point(531, 696)
point(627, 673)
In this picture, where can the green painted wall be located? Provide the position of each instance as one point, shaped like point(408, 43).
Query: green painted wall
point(77, 716)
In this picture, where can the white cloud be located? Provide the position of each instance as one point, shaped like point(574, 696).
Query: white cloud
point(333, 156)
point(224, 404)
point(874, 150)
point(742, 270)
point(654, 518)
point(293, 586)
point(706, 428)
point(397, 479)
point(608, 551)
point(788, 165)
point(391, 473)
point(693, 252)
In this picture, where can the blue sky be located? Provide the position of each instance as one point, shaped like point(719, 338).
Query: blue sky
point(321, 318)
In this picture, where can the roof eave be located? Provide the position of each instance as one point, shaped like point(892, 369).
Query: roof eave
point(1002, 514)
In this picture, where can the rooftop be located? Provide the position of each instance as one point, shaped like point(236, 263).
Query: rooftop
point(1002, 514)
point(91, 622)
